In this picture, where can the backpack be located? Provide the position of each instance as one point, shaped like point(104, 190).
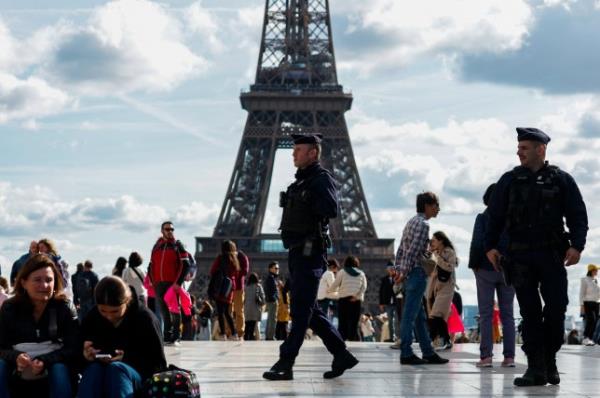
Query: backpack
point(220, 285)
point(84, 288)
point(172, 383)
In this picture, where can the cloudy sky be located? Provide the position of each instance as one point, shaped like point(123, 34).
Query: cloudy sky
point(117, 115)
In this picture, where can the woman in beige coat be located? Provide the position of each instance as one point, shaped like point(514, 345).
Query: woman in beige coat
point(441, 287)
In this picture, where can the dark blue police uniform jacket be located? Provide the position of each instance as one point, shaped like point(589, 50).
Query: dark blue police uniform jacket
point(306, 270)
point(537, 260)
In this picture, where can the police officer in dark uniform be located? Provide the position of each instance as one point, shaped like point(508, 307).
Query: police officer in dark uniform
point(532, 202)
point(308, 204)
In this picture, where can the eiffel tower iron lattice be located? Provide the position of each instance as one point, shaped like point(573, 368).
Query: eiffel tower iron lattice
point(296, 91)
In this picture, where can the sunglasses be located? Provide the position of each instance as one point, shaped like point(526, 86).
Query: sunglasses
point(169, 229)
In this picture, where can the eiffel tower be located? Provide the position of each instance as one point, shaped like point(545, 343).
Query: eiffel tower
point(296, 91)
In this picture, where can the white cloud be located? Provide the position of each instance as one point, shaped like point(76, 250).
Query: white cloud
point(127, 45)
point(31, 209)
point(413, 28)
point(124, 46)
point(457, 160)
point(251, 17)
point(202, 22)
point(7, 48)
point(555, 3)
point(30, 98)
point(197, 215)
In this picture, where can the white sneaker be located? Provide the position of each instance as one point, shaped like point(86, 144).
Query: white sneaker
point(588, 342)
point(221, 337)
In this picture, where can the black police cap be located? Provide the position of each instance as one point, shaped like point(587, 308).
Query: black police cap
point(307, 138)
point(532, 134)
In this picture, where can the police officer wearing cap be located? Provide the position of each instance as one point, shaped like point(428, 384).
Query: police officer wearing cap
point(532, 202)
point(308, 204)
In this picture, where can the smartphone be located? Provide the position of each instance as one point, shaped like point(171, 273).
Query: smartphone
point(103, 356)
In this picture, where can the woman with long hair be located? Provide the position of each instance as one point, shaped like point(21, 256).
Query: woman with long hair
point(119, 267)
point(441, 287)
point(38, 331)
point(255, 300)
point(351, 284)
point(134, 276)
point(122, 343)
point(228, 263)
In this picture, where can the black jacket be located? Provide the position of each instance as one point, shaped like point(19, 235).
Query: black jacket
point(138, 335)
point(270, 288)
point(386, 291)
point(17, 325)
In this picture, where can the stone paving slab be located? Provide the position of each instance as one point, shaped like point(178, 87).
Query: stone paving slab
point(234, 369)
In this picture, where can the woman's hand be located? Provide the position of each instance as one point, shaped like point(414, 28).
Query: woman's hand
point(37, 367)
point(89, 352)
point(23, 362)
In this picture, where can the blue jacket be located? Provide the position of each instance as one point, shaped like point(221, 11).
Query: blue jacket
point(271, 294)
point(477, 253)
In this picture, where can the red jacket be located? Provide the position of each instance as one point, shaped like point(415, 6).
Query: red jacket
point(169, 261)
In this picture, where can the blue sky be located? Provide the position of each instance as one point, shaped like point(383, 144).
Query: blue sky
point(117, 115)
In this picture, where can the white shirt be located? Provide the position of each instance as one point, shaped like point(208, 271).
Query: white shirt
point(350, 286)
point(131, 278)
point(589, 291)
point(366, 327)
point(326, 281)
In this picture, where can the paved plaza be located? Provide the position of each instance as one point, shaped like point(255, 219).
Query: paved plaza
point(234, 369)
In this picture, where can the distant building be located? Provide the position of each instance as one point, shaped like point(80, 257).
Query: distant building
point(470, 316)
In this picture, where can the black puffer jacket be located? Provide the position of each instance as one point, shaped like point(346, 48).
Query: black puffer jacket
point(17, 325)
point(138, 335)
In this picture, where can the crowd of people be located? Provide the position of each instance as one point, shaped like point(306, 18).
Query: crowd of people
point(104, 337)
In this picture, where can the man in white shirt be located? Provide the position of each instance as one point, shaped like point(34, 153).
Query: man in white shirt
point(327, 300)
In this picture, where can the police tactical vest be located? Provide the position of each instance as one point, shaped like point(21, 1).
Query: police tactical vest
point(535, 205)
point(298, 219)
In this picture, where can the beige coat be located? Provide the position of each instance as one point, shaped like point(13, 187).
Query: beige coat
point(439, 294)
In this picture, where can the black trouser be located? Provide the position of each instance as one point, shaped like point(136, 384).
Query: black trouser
point(281, 331)
point(249, 327)
point(541, 272)
point(304, 309)
point(171, 322)
point(189, 332)
point(223, 312)
point(590, 309)
point(349, 315)
point(438, 327)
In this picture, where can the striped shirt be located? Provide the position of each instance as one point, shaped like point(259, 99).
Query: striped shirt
point(413, 244)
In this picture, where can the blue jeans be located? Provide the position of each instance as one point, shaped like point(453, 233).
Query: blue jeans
point(413, 315)
point(392, 315)
point(59, 379)
point(113, 380)
point(488, 283)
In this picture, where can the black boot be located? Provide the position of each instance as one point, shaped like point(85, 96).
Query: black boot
point(282, 370)
point(535, 375)
point(551, 370)
point(340, 364)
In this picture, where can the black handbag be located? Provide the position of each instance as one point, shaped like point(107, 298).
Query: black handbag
point(443, 275)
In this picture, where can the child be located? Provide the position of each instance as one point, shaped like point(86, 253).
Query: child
point(366, 327)
point(177, 296)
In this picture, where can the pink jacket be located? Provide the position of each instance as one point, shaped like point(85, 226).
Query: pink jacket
point(176, 297)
